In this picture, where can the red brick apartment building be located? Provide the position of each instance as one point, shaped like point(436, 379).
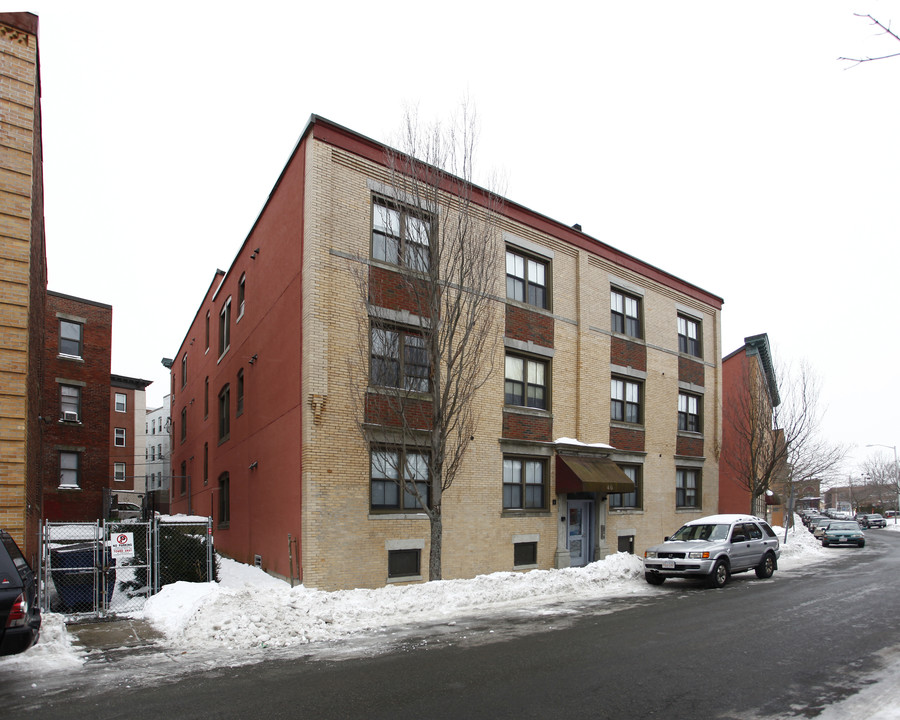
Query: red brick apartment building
point(750, 392)
point(75, 461)
point(597, 432)
point(23, 278)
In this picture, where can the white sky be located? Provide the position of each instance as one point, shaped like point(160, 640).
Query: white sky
point(249, 617)
point(722, 142)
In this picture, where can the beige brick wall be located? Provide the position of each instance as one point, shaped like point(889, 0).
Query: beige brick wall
point(18, 68)
point(343, 544)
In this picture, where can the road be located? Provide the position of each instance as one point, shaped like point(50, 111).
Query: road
point(786, 647)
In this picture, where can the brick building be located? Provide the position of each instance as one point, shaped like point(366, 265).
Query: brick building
point(77, 436)
point(23, 278)
point(597, 432)
point(750, 392)
point(157, 466)
point(127, 415)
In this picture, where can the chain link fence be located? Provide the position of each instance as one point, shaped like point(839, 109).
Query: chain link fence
point(113, 567)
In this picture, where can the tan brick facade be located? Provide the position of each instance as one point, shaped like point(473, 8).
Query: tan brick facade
point(22, 277)
point(344, 542)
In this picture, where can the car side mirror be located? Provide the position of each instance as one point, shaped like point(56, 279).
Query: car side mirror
point(666, 538)
point(739, 538)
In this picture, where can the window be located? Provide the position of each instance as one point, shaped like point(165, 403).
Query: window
point(625, 313)
point(239, 407)
point(687, 488)
point(153, 427)
point(526, 279)
point(121, 402)
point(184, 370)
point(183, 424)
point(390, 367)
point(404, 563)
point(120, 437)
point(207, 330)
point(69, 469)
point(524, 484)
point(524, 553)
point(625, 401)
point(688, 336)
point(526, 382)
point(224, 499)
point(205, 463)
point(631, 499)
point(688, 412)
point(391, 468)
point(70, 338)
point(159, 451)
point(119, 471)
point(153, 454)
point(225, 327)
point(183, 478)
point(400, 237)
point(69, 403)
point(224, 410)
point(206, 398)
point(242, 287)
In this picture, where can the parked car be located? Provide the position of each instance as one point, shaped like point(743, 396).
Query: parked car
point(843, 532)
point(820, 528)
point(873, 520)
point(714, 548)
point(20, 616)
point(817, 522)
point(127, 511)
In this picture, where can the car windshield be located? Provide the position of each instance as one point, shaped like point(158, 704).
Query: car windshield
point(875, 517)
point(843, 526)
point(710, 532)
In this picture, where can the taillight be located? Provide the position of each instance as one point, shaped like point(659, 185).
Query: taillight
point(17, 612)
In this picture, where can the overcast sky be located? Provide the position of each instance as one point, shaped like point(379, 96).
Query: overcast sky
point(722, 142)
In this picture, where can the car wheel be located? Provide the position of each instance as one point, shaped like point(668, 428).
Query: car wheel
point(719, 575)
point(766, 567)
point(862, 543)
point(654, 579)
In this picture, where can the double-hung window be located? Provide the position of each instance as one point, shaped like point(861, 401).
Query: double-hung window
point(69, 469)
point(629, 500)
point(526, 382)
point(688, 336)
point(70, 338)
point(625, 401)
point(687, 488)
point(224, 499)
point(119, 472)
point(688, 412)
point(70, 403)
point(120, 437)
point(121, 402)
point(526, 279)
point(399, 359)
point(225, 327)
point(401, 237)
point(399, 479)
point(224, 410)
point(625, 314)
point(524, 484)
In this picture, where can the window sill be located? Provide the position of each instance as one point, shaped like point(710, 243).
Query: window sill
point(518, 513)
point(397, 391)
point(405, 578)
point(696, 358)
point(528, 306)
point(629, 338)
point(687, 509)
point(690, 434)
point(76, 358)
point(69, 487)
point(626, 511)
point(223, 525)
point(395, 515)
point(626, 426)
point(526, 567)
point(522, 410)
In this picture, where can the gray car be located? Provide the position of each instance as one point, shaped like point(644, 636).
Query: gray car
point(714, 548)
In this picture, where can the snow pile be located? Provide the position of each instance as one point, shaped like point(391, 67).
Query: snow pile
point(251, 609)
point(54, 648)
point(801, 547)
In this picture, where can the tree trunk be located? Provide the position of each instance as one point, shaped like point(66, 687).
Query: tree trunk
point(437, 535)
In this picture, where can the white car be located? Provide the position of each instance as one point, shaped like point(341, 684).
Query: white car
point(714, 548)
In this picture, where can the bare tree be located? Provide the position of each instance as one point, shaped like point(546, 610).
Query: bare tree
point(886, 30)
point(883, 480)
point(776, 423)
point(428, 335)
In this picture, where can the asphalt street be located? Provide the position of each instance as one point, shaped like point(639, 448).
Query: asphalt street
point(785, 647)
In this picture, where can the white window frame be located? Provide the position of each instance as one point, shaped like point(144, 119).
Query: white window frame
point(120, 435)
point(124, 402)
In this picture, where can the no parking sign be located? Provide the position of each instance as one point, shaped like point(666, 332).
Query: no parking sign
point(123, 545)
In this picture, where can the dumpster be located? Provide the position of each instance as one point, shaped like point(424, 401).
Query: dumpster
point(76, 578)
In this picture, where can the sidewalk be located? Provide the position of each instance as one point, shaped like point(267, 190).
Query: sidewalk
point(109, 636)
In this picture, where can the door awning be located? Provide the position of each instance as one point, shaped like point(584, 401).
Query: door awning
point(577, 473)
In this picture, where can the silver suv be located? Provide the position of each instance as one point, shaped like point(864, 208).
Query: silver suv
point(714, 548)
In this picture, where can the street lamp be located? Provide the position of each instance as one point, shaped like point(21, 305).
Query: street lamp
point(896, 474)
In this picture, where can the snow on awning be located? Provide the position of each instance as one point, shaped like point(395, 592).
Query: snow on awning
point(579, 473)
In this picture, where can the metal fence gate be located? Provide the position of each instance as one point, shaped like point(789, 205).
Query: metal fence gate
point(113, 567)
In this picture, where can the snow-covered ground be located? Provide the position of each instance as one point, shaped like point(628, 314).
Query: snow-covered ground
point(249, 610)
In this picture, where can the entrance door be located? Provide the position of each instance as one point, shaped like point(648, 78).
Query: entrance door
point(579, 538)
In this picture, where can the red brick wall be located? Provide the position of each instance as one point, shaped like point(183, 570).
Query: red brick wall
point(524, 325)
point(628, 354)
point(690, 371)
point(527, 427)
point(692, 446)
point(93, 432)
point(384, 410)
point(395, 291)
point(626, 439)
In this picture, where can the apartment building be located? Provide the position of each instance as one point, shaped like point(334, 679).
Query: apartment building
point(597, 432)
point(127, 411)
point(157, 467)
point(23, 278)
